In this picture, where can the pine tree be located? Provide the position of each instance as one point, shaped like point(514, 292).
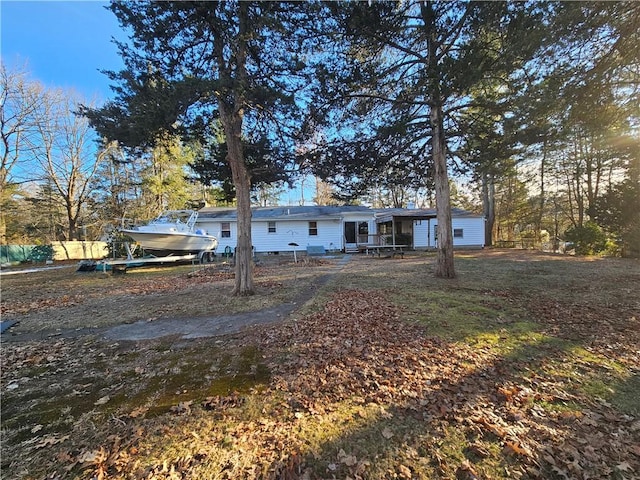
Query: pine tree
point(406, 73)
point(194, 66)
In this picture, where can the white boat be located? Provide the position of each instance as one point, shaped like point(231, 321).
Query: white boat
point(174, 231)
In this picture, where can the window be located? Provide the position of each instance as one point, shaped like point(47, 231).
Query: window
point(363, 232)
point(271, 227)
point(225, 230)
point(313, 228)
point(457, 233)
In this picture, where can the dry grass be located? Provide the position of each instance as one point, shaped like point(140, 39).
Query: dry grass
point(65, 299)
point(525, 366)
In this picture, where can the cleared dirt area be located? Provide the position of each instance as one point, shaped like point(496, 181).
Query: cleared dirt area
point(64, 299)
point(525, 366)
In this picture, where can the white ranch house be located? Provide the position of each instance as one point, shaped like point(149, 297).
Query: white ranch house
point(339, 228)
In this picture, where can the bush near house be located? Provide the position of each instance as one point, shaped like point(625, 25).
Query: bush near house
point(588, 239)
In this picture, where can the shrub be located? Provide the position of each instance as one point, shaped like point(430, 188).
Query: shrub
point(588, 239)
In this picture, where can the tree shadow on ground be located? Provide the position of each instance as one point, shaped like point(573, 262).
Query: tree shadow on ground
point(510, 417)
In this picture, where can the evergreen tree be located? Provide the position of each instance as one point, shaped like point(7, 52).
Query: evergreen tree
point(165, 178)
point(618, 209)
point(196, 65)
point(406, 74)
point(267, 163)
point(581, 98)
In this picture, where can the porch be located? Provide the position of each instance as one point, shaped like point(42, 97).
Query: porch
point(359, 239)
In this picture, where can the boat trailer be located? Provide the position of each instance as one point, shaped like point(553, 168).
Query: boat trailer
point(121, 265)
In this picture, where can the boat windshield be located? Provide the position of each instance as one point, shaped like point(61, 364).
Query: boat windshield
point(176, 218)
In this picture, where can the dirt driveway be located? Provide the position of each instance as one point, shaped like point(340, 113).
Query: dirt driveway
point(189, 302)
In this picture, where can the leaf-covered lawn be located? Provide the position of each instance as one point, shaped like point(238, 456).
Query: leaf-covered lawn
point(65, 299)
point(526, 366)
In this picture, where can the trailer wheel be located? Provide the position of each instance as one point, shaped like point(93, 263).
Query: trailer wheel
point(206, 256)
point(118, 269)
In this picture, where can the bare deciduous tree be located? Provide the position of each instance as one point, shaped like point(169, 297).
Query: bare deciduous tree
point(20, 98)
point(64, 148)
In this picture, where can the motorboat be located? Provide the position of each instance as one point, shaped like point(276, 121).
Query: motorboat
point(173, 232)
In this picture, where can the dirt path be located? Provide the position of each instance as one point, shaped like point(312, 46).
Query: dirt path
point(188, 328)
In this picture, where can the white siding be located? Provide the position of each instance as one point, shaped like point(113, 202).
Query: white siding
point(215, 228)
point(295, 231)
point(472, 231)
point(420, 233)
point(331, 232)
point(287, 231)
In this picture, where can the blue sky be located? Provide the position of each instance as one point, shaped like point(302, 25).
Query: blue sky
point(62, 43)
point(66, 44)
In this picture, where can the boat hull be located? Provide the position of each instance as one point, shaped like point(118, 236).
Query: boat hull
point(173, 242)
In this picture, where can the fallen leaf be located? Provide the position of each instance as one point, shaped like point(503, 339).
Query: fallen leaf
point(350, 460)
point(560, 472)
point(183, 408)
point(51, 440)
point(89, 457)
point(138, 412)
point(478, 450)
point(405, 472)
point(624, 467)
point(103, 400)
point(516, 448)
point(387, 433)
point(466, 472)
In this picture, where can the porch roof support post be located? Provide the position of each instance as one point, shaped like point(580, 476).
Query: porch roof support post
point(393, 230)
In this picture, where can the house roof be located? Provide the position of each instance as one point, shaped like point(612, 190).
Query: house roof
point(328, 212)
point(388, 214)
point(279, 213)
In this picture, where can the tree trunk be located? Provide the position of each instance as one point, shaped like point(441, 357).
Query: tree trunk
point(232, 123)
point(489, 207)
point(543, 193)
point(72, 231)
point(444, 264)
point(231, 107)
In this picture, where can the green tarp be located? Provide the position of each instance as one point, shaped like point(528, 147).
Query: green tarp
point(15, 253)
point(25, 253)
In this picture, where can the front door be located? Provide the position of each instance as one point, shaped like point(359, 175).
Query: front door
point(350, 232)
